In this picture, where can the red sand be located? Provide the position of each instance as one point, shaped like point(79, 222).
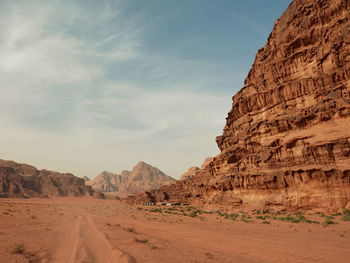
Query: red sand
point(92, 230)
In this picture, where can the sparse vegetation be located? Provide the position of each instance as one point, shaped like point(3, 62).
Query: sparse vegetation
point(156, 210)
point(266, 222)
point(19, 248)
point(194, 213)
point(130, 229)
point(328, 221)
point(246, 218)
point(346, 218)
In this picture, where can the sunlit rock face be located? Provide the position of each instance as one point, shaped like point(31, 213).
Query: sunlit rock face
point(143, 177)
point(286, 139)
point(23, 180)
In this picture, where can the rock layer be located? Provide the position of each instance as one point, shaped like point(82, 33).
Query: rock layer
point(143, 177)
point(23, 180)
point(287, 137)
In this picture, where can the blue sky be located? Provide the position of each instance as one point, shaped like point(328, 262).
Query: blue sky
point(96, 85)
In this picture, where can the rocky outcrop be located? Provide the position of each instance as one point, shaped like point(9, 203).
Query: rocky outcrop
point(86, 179)
point(287, 137)
point(22, 180)
point(190, 173)
point(143, 177)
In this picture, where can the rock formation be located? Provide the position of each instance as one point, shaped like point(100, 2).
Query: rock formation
point(189, 173)
point(86, 179)
point(192, 171)
point(23, 180)
point(286, 142)
point(143, 177)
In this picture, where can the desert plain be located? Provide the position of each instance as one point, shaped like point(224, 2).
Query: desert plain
point(95, 230)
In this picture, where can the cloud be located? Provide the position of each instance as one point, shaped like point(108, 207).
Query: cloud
point(81, 92)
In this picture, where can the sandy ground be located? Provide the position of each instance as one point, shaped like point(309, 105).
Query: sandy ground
point(91, 230)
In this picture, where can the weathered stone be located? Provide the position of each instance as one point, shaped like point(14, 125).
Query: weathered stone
point(286, 139)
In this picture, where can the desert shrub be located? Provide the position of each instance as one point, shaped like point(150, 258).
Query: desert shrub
point(311, 221)
point(266, 222)
point(130, 229)
point(337, 214)
point(346, 212)
point(19, 248)
point(346, 218)
point(156, 210)
point(328, 221)
point(193, 214)
point(246, 219)
point(278, 213)
point(261, 217)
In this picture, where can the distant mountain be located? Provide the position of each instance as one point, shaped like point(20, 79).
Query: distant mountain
point(143, 177)
point(23, 180)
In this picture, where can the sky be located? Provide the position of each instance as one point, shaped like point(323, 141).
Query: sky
point(98, 85)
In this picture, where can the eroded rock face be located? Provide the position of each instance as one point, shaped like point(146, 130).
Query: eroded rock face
point(287, 137)
point(190, 173)
point(86, 179)
point(22, 180)
point(143, 177)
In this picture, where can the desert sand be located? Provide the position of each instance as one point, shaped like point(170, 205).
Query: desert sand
point(93, 230)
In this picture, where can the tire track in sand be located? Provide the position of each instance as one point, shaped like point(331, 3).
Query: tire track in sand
point(86, 244)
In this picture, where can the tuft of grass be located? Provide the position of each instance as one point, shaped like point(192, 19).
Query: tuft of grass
point(156, 210)
point(328, 221)
point(193, 214)
point(266, 222)
point(130, 229)
point(246, 219)
point(337, 214)
point(346, 218)
point(231, 216)
point(19, 248)
point(346, 212)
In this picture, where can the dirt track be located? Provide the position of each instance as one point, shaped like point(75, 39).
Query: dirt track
point(88, 230)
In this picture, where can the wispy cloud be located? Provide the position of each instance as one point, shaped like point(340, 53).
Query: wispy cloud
point(81, 92)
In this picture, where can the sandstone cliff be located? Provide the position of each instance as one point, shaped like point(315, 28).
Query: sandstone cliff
point(143, 177)
point(22, 180)
point(190, 173)
point(286, 142)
